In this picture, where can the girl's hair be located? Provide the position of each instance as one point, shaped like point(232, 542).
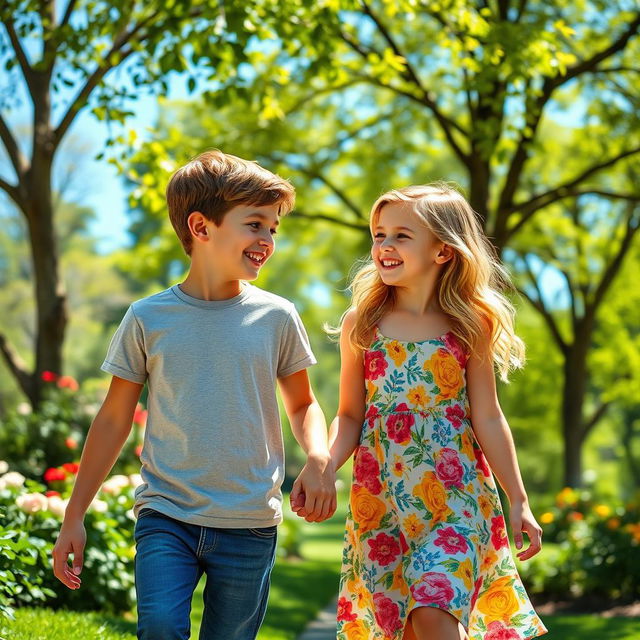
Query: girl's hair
point(468, 289)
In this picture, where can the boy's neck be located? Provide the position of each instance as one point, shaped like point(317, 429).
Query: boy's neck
point(201, 283)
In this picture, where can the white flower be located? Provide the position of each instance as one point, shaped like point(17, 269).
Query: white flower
point(115, 484)
point(4, 467)
point(13, 479)
point(24, 408)
point(135, 480)
point(99, 506)
point(57, 505)
point(32, 502)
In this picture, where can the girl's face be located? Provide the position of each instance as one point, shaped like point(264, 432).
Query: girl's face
point(404, 250)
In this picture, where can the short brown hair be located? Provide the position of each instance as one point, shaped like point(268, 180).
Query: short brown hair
point(213, 183)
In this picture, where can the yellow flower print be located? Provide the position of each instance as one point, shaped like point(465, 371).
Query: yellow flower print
point(399, 582)
point(485, 506)
point(367, 510)
point(489, 561)
point(397, 352)
point(413, 526)
point(434, 496)
point(399, 466)
point(446, 373)
point(465, 573)
point(499, 601)
point(466, 445)
point(371, 389)
point(356, 630)
point(418, 396)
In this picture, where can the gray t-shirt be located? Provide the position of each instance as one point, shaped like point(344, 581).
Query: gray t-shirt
point(213, 453)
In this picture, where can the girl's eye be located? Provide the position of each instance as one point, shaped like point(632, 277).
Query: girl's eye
point(254, 225)
point(402, 235)
point(378, 235)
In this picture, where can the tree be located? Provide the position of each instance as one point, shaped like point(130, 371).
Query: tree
point(64, 59)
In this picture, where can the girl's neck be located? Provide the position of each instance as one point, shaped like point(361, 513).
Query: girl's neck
point(416, 301)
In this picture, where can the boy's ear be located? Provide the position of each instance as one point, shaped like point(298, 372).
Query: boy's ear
point(197, 225)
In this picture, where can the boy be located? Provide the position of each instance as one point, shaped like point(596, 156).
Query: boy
point(211, 350)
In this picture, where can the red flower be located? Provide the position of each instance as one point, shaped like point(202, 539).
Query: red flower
point(67, 382)
point(452, 343)
point(54, 474)
point(481, 461)
point(49, 376)
point(70, 443)
point(499, 532)
point(497, 631)
point(50, 494)
point(140, 416)
point(476, 591)
point(451, 541)
point(399, 424)
point(387, 614)
point(383, 549)
point(455, 415)
point(433, 588)
point(375, 365)
point(344, 610)
point(71, 467)
point(372, 414)
point(138, 450)
point(367, 471)
point(448, 468)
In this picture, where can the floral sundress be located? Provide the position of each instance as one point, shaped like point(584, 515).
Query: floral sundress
point(425, 526)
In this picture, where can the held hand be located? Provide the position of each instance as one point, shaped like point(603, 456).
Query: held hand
point(522, 520)
point(313, 496)
point(71, 540)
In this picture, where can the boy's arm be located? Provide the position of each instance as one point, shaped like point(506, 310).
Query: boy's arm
point(317, 478)
point(494, 435)
point(105, 439)
point(344, 433)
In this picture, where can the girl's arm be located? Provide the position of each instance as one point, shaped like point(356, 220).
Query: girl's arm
point(493, 434)
point(107, 435)
point(344, 433)
point(313, 496)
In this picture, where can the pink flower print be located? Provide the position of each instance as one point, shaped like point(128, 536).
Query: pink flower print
point(433, 588)
point(384, 549)
point(455, 415)
point(497, 631)
point(451, 541)
point(344, 610)
point(367, 471)
point(375, 365)
point(481, 461)
point(399, 424)
point(453, 344)
point(448, 468)
point(387, 614)
point(499, 533)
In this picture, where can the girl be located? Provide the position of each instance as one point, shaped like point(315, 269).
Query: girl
point(426, 553)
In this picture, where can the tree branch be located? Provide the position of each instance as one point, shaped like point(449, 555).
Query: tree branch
point(528, 208)
point(321, 216)
point(16, 365)
point(598, 414)
point(71, 5)
point(21, 56)
point(12, 191)
point(17, 159)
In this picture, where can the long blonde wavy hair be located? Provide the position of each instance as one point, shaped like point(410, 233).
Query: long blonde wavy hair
point(468, 289)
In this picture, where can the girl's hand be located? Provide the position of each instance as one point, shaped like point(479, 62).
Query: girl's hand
point(522, 520)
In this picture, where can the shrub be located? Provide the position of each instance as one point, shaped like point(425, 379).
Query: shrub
point(596, 552)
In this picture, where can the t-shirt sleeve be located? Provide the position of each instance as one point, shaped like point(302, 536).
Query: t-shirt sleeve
point(295, 350)
point(126, 356)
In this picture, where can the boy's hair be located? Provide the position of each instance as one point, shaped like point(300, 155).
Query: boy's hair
point(213, 183)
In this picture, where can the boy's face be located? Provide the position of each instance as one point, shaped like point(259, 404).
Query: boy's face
point(244, 241)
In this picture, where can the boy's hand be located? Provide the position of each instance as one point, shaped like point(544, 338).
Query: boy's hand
point(313, 496)
point(523, 520)
point(71, 540)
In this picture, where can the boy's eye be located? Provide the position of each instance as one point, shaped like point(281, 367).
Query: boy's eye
point(254, 225)
point(379, 235)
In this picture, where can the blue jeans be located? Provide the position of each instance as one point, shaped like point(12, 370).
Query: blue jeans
point(171, 557)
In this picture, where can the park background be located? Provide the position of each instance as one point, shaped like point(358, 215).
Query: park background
point(530, 107)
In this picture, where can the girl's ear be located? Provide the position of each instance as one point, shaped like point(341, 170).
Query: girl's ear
point(445, 254)
point(198, 225)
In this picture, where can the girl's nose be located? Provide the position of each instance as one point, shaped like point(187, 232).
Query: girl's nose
point(266, 240)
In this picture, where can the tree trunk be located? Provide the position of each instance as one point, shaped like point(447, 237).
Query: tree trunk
point(573, 394)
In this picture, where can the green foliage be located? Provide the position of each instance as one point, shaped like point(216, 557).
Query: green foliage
point(594, 550)
point(31, 520)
